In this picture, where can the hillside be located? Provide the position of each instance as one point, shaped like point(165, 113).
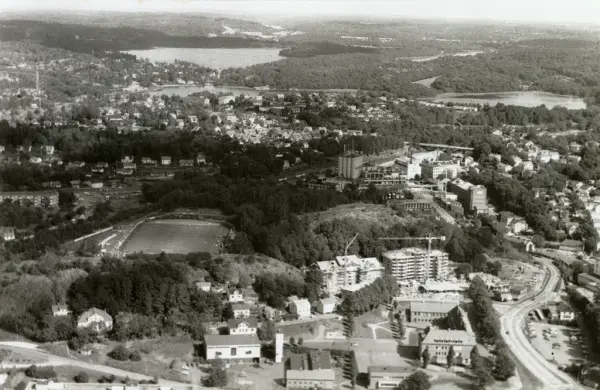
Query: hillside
point(311, 49)
point(258, 264)
point(364, 212)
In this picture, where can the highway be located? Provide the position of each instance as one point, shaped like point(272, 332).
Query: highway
point(513, 322)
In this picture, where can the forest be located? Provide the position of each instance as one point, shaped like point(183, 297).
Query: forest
point(88, 39)
point(311, 49)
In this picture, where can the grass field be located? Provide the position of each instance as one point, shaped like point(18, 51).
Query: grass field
point(175, 236)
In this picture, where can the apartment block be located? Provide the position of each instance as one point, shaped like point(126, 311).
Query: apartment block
point(35, 198)
point(472, 197)
point(347, 271)
point(439, 169)
point(416, 264)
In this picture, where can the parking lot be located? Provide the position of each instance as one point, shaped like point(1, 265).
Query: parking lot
point(561, 344)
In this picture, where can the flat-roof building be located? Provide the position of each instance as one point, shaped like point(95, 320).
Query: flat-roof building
point(388, 377)
point(439, 169)
point(240, 348)
point(416, 264)
point(430, 311)
point(36, 198)
point(472, 197)
point(347, 271)
point(438, 342)
point(309, 371)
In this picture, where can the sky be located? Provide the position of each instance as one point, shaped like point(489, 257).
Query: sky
point(545, 11)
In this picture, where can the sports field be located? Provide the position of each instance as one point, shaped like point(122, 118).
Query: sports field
point(175, 236)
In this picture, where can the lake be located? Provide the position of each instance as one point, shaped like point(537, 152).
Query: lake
point(520, 98)
point(186, 90)
point(431, 58)
point(212, 58)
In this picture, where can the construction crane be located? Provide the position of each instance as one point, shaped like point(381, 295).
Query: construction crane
point(429, 239)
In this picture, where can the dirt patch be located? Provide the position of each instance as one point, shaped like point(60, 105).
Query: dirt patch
point(257, 265)
point(369, 213)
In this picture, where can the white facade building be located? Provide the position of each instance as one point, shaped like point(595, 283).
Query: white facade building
point(416, 264)
point(96, 320)
point(242, 326)
point(347, 271)
point(437, 169)
point(300, 307)
point(232, 348)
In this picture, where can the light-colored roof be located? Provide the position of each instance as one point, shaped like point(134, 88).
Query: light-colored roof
point(450, 337)
point(90, 312)
point(412, 252)
point(390, 369)
point(251, 322)
point(323, 375)
point(301, 302)
point(213, 340)
point(432, 307)
point(59, 307)
point(328, 301)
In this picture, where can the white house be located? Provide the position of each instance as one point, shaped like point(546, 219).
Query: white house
point(239, 348)
point(35, 160)
point(7, 233)
point(300, 307)
point(565, 313)
point(60, 310)
point(242, 326)
point(165, 160)
point(204, 286)
point(96, 320)
point(236, 295)
point(49, 149)
point(241, 310)
point(326, 305)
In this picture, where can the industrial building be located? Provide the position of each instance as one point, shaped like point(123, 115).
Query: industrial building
point(36, 198)
point(350, 165)
point(347, 271)
point(416, 264)
point(382, 176)
point(309, 371)
point(239, 348)
point(410, 169)
point(472, 197)
point(439, 169)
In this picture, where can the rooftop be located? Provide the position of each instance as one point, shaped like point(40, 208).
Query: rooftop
point(432, 307)
point(251, 322)
point(213, 340)
point(454, 337)
point(390, 369)
point(411, 252)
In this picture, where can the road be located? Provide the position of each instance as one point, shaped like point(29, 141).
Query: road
point(513, 322)
point(54, 360)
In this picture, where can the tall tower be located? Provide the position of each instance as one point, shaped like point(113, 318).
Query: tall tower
point(278, 347)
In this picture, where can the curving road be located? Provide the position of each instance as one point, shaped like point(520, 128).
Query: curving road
point(513, 322)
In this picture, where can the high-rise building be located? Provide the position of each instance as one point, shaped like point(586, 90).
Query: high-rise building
point(416, 264)
point(348, 271)
point(439, 169)
point(472, 197)
point(350, 165)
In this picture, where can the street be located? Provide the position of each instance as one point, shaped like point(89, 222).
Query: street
point(513, 322)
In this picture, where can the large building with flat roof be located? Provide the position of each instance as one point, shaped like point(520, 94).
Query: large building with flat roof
point(309, 371)
point(430, 311)
point(348, 271)
point(239, 348)
point(35, 198)
point(388, 377)
point(472, 197)
point(439, 169)
point(416, 264)
point(439, 341)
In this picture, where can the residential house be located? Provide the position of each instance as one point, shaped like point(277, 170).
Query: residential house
point(96, 320)
point(309, 371)
point(238, 348)
point(235, 295)
point(270, 313)
point(201, 159)
point(204, 286)
point(223, 100)
point(241, 310)
point(300, 307)
point(565, 312)
point(60, 310)
point(35, 160)
point(326, 305)
point(48, 149)
point(148, 161)
point(186, 163)
point(7, 233)
point(242, 326)
point(571, 246)
point(51, 184)
point(75, 183)
point(250, 296)
point(165, 160)
point(518, 225)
